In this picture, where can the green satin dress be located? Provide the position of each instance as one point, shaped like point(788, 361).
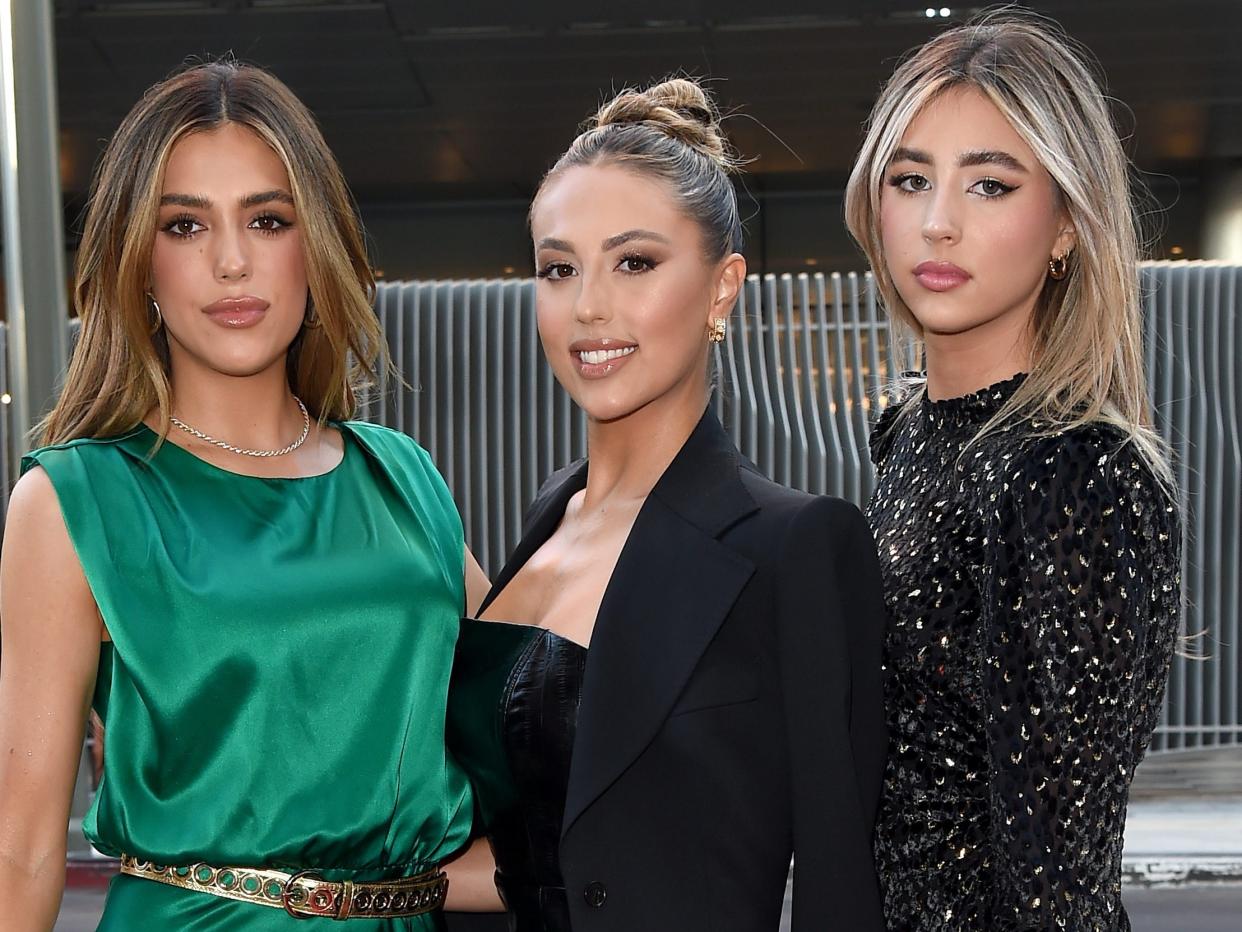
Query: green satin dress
point(274, 693)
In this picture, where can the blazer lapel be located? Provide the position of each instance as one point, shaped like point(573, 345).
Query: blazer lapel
point(673, 586)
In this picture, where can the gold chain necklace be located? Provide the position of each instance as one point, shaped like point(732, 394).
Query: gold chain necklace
point(243, 451)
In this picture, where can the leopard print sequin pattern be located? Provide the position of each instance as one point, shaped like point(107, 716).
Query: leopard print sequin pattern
point(1034, 596)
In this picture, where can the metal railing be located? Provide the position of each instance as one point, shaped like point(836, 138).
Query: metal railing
point(1193, 344)
point(799, 381)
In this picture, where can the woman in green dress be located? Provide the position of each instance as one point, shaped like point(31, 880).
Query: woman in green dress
point(258, 596)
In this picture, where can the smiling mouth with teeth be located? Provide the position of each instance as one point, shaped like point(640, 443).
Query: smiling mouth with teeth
point(595, 357)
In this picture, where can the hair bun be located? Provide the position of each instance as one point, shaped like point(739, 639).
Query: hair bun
point(678, 107)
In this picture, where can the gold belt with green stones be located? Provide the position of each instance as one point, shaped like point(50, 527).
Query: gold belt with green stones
point(303, 895)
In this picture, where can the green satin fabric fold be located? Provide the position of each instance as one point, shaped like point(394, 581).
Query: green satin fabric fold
point(487, 652)
point(275, 691)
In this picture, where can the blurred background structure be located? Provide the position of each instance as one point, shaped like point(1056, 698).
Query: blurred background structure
point(445, 116)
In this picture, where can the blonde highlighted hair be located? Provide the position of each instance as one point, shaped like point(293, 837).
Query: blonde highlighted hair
point(119, 368)
point(1087, 359)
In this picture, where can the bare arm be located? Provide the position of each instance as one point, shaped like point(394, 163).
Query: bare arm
point(477, 584)
point(49, 654)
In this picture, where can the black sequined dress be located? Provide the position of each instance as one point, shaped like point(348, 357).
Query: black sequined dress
point(1034, 594)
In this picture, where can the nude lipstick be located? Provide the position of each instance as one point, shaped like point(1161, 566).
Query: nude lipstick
point(596, 359)
point(237, 313)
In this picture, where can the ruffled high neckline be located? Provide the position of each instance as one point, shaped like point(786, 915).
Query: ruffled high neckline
point(974, 408)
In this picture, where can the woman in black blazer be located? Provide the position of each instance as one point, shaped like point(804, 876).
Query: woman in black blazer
point(678, 682)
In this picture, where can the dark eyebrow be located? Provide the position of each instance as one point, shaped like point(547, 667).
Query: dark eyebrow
point(989, 157)
point(629, 236)
point(549, 242)
point(266, 197)
point(198, 202)
point(186, 200)
point(904, 154)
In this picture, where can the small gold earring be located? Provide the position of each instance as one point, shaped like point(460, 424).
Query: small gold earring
point(716, 333)
point(159, 318)
point(1058, 266)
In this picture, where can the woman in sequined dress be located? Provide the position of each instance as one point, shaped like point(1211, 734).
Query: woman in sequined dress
point(1023, 509)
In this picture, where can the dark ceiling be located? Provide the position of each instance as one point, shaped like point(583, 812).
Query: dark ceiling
point(472, 100)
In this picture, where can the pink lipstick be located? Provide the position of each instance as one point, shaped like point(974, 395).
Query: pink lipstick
point(940, 276)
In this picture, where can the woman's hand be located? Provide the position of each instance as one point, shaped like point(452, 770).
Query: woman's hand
point(472, 881)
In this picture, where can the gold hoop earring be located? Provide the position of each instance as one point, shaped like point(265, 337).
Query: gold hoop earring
point(1058, 266)
point(716, 333)
point(310, 320)
point(159, 318)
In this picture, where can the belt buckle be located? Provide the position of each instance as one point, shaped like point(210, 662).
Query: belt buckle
point(315, 903)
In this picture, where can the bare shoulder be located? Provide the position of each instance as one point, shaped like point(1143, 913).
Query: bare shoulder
point(34, 509)
point(38, 554)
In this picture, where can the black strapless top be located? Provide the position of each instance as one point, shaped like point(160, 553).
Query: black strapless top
point(512, 715)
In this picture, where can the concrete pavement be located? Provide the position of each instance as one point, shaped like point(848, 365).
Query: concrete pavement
point(1185, 818)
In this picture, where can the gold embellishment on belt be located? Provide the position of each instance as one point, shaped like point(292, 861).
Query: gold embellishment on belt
point(303, 895)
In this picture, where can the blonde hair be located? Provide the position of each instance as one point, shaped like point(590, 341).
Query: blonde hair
point(119, 369)
point(1086, 329)
point(671, 132)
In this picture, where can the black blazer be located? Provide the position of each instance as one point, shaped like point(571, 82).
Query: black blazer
point(732, 709)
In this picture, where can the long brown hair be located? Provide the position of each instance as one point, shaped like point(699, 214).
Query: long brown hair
point(1087, 339)
point(119, 369)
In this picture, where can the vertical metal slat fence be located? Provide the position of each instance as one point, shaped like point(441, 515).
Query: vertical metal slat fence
point(799, 380)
